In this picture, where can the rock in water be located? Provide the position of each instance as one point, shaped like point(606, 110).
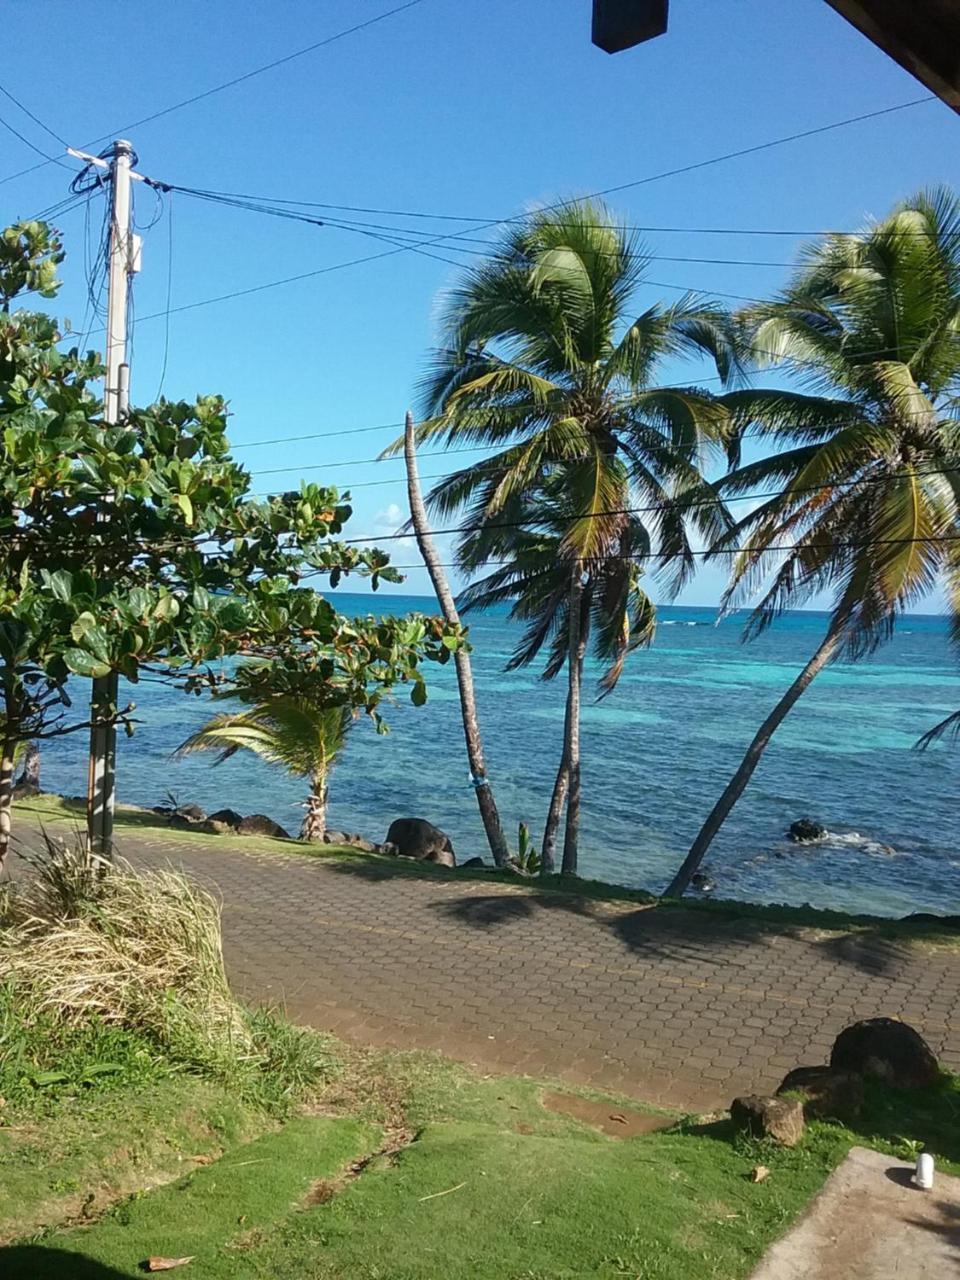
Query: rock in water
point(888, 1049)
point(763, 1117)
point(805, 830)
point(258, 824)
point(826, 1092)
point(417, 838)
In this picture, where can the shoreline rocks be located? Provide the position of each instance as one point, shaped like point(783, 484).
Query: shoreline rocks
point(806, 831)
point(421, 840)
point(888, 1049)
point(762, 1116)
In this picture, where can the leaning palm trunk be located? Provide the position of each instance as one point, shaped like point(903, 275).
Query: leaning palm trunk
point(737, 784)
point(489, 813)
point(578, 640)
point(315, 819)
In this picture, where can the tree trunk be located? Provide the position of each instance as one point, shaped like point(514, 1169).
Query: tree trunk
point(548, 850)
point(8, 749)
point(315, 819)
point(577, 641)
point(735, 787)
point(29, 780)
point(468, 703)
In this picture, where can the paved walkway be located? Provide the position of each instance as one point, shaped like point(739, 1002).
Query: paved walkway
point(680, 1008)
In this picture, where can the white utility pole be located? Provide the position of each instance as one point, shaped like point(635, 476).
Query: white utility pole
point(123, 263)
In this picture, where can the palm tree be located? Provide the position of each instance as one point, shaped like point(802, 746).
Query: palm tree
point(867, 476)
point(305, 740)
point(533, 575)
point(545, 359)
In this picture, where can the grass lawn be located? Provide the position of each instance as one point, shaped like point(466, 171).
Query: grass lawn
point(412, 1168)
point(56, 813)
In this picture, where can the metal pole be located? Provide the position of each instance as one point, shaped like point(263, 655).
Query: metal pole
point(101, 781)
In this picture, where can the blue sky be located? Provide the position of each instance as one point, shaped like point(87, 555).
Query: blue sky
point(482, 110)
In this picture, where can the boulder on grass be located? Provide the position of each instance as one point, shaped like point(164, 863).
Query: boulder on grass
point(762, 1117)
point(825, 1091)
point(417, 838)
point(477, 863)
point(214, 828)
point(334, 837)
point(228, 816)
point(358, 842)
point(258, 824)
point(888, 1049)
point(192, 811)
point(181, 822)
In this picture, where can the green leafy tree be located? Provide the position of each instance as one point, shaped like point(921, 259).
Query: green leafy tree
point(137, 547)
point(866, 462)
point(547, 359)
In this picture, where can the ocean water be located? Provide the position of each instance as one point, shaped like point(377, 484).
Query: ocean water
point(656, 755)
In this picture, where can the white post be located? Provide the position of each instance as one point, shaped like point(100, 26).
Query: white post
point(103, 735)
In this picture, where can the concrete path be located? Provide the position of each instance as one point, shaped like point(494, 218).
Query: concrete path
point(675, 1007)
point(871, 1223)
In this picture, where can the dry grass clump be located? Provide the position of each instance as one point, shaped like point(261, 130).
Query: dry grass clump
point(86, 940)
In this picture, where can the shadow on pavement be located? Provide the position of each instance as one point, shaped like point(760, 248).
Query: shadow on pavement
point(33, 1262)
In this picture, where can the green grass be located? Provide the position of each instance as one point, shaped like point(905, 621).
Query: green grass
point(475, 1179)
point(54, 812)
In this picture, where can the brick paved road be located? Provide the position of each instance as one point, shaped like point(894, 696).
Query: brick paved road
point(681, 1008)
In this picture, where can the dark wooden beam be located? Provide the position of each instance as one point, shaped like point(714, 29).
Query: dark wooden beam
point(922, 35)
point(620, 24)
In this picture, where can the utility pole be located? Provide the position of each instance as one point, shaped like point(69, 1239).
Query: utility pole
point(123, 262)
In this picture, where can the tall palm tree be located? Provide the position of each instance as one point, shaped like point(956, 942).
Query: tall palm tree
point(867, 468)
point(533, 576)
point(545, 359)
point(306, 740)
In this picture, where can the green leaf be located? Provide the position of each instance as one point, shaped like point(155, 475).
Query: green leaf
point(84, 623)
point(185, 505)
point(166, 609)
point(61, 585)
point(50, 1077)
point(82, 663)
point(418, 694)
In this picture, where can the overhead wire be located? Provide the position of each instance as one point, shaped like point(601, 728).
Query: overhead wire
point(36, 119)
point(219, 88)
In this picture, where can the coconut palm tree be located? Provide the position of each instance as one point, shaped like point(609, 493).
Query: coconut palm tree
point(533, 575)
point(306, 740)
point(867, 469)
point(546, 358)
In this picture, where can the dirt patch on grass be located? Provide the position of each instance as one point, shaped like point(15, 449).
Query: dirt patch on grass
point(616, 1122)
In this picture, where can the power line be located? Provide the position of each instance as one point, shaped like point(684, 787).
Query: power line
point(36, 119)
point(47, 159)
point(705, 552)
point(227, 84)
point(662, 507)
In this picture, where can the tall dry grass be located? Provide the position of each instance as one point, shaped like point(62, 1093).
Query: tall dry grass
point(84, 939)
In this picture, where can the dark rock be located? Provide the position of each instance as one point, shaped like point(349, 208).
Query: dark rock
point(764, 1117)
point(472, 862)
point(358, 842)
point(162, 810)
point(229, 816)
point(24, 790)
point(258, 824)
point(390, 850)
point(805, 830)
point(180, 822)
point(212, 827)
point(192, 811)
point(335, 837)
point(417, 838)
point(826, 1092)
point(700, 880)
point(888, 1049)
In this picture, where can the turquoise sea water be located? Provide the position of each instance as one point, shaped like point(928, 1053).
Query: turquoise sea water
point(656, 755)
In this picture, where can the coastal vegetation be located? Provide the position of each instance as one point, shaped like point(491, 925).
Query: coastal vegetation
point(136, 547)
